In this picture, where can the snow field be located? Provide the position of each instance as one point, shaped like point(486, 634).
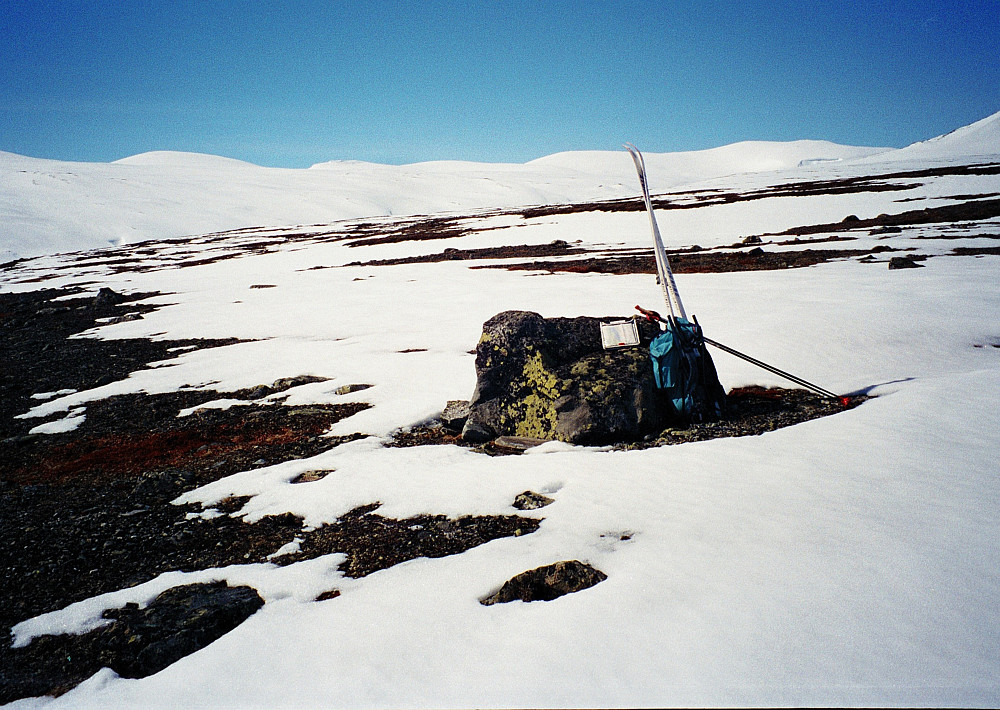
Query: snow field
point(754, 567)
point(842, 546)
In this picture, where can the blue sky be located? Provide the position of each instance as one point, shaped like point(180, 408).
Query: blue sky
point(291, 84)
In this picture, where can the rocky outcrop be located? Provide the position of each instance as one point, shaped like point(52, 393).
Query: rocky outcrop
point(550, 378)
point(178, 622)
point(138, 642)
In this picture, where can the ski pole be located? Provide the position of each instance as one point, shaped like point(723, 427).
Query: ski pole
point(770, 368)
point(653, 315)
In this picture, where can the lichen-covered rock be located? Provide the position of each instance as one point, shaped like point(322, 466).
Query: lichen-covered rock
point(550, 378)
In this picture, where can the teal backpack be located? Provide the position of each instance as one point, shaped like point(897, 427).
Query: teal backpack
point(685, 373)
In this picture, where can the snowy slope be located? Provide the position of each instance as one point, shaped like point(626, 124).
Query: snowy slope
point(50, 206)
point(681, 168)
point(850, 560)
point(981, 138)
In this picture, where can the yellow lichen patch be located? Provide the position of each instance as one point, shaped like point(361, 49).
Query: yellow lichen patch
point(538, 420)
point(539, 377)
point(537, 414)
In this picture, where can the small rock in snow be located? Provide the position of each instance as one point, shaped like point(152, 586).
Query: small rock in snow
point(547, 583)
point(904, 262)
point(529, 500)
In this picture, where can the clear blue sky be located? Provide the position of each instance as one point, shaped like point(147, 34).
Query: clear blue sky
point(294, 83)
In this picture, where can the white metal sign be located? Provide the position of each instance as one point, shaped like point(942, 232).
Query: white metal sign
point(619, 334)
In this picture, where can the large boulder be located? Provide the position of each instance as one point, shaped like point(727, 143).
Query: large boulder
point(550, 378)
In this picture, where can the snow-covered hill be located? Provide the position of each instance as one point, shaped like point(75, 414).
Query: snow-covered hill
point(981, 138)
point(49, 206)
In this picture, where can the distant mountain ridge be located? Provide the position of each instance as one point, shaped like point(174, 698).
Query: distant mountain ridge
point(176, 158)
point(49, 206)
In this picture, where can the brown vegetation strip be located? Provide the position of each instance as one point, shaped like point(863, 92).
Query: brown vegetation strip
point(693, 263)
point(415, 230)
point(695, 199)
point(975, 251)
point(973, 210)
point(521, 251)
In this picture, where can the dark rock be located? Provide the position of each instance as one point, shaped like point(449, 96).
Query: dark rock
point(107, 297)
point(476, 433)
point(159, 483)
point(547, 583)
point(529, 500)
point(310, 476)
point(904, 262)
point(52, 310)
point(455, 414)
point(258, 392)
point(350, 389)
point(127, 318)
point(517, 443)
point(549, 378)
point(177, 623)
point(286, 383)
point(753, 239)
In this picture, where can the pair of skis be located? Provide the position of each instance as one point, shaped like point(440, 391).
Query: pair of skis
point(664, 275)
point(666, 278)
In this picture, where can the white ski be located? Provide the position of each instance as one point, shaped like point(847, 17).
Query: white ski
point(666, 276)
